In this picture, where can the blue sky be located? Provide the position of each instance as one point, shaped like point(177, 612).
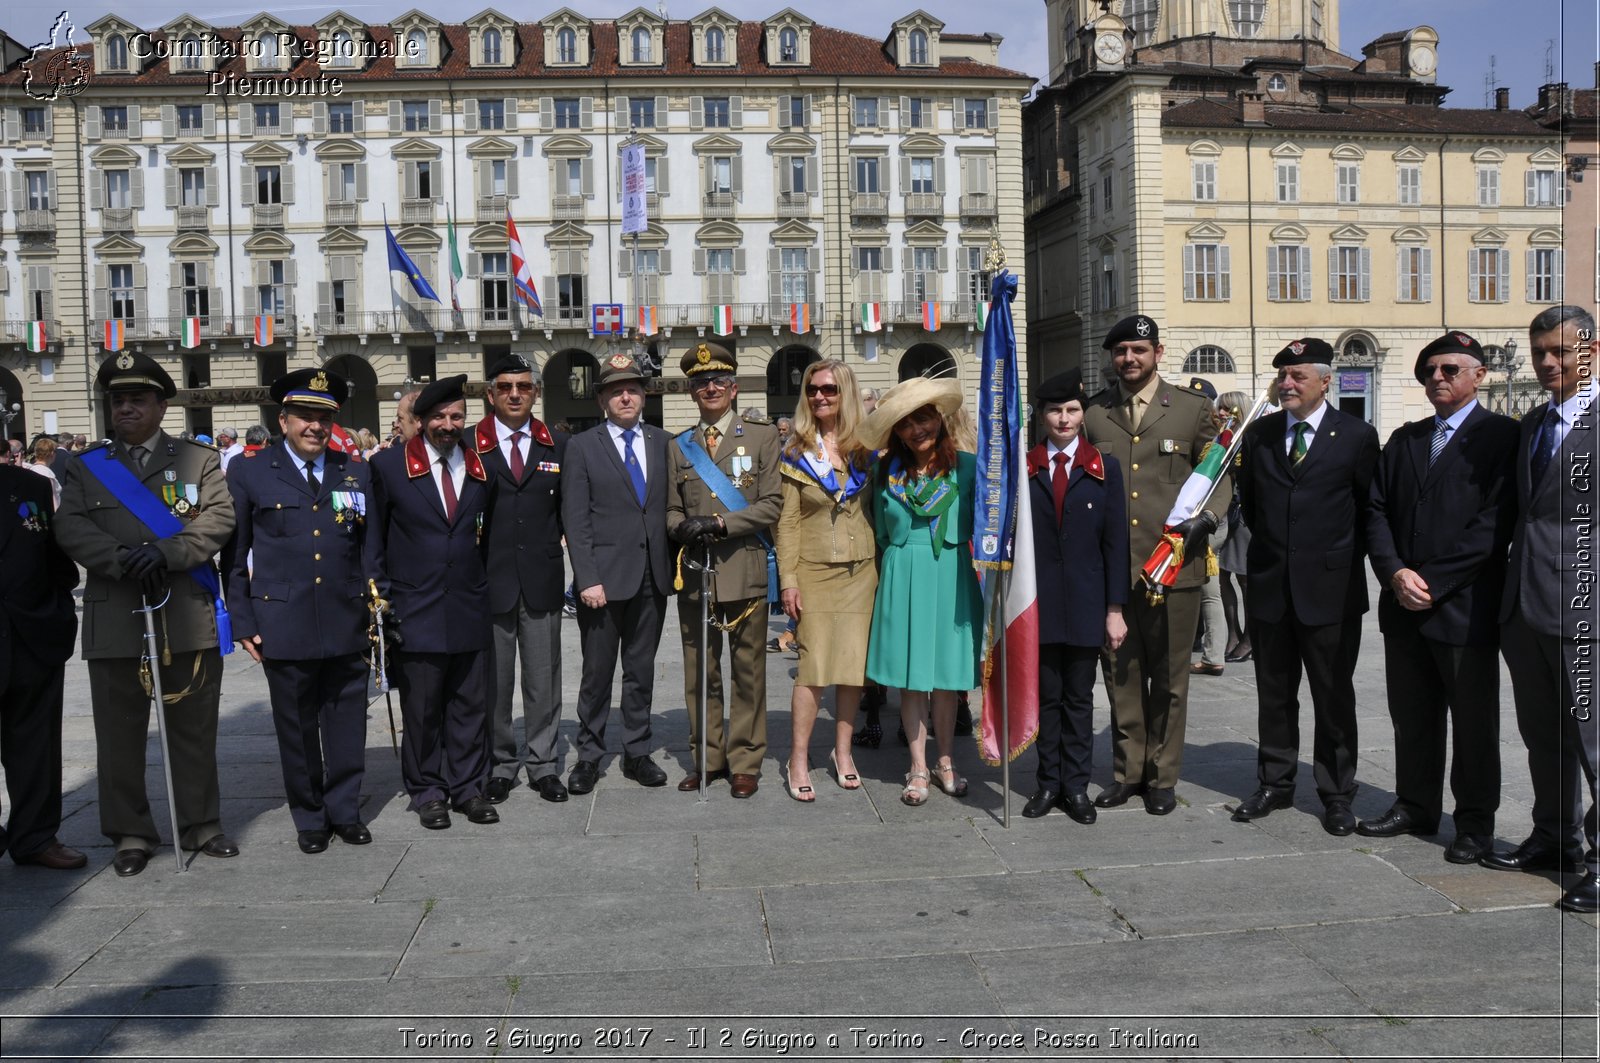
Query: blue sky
point(1516, 34)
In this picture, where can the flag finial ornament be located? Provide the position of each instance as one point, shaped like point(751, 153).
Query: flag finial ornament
point(996, 255)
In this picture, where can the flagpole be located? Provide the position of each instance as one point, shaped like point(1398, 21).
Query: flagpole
point(394, 296)
point(1005, 701)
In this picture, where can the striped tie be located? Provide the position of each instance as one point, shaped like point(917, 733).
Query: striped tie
point(1441, 431)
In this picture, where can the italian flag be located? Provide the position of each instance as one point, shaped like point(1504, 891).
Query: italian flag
point(983, 316)
point(36, 337)
point(722, 319)
point(455, 260)
point(114, 334)
point(871, 317)
point(800, 318)
point(191, 332)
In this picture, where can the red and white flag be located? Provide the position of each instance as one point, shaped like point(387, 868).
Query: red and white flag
point(647, 321)
point(722, 319)
point(930, 317)
point(800, 318)
point(871, 317)
point(114, 334)
point(521, 273)
point(36, 337)
point(263, 330)
point(191, 332)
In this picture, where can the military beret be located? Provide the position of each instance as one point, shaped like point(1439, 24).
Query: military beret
point(1449, 343)
point(440, 392)
point(131, 371)
point(511, 363)
point(618, 368)
point(1204, 387)
point(1063, 387)
point(310, 387)
point(1137, 327)
point(1307, 351)
point(708, 358)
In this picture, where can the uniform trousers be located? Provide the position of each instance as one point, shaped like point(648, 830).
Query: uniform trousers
point(444, 701)
point(121, 728)
point(742, 748)
point(30, 751)
point(631, 627)
point(1066, 716)
point(1147, 680)
point(532, 637)
point(319, 708)
point(1327, 653)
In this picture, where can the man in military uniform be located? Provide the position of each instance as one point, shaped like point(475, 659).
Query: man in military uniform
point(145, 513)
point(725, 493)
point(1156, 431)
point(300, 603)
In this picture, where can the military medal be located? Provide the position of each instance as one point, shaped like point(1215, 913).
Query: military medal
point(29, 512)
point(170, 475)
point(181, 507)
point(169, 494)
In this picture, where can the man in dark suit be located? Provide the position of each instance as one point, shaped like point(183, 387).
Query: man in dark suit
point(1551, 608)
point(302, 559)
point(1443, 500)
point(38, 623)
point(1080, 544)
point(1305, 483)
point(522, 458)
point(614, 510)
point(430, 505)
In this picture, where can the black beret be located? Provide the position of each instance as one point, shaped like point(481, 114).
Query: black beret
point(1449, 343)
point(1204, 387)
point(131, 371)
point(1137, 327)
point(440, 392)
point(310, 387)
point(1063, 387)
point(1307, 351)
point(511, 363)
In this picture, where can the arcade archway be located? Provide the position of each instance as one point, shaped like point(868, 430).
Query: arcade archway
point(927, 359)
point(569, 386)
point(361, 410)
point(13, 410)
point(783, 379)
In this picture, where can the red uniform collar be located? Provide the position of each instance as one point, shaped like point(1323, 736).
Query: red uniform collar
point(487, 438)
point(1086, 458)
point(417, 463)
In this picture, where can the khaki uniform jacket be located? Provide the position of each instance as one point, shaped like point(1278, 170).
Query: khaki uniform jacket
point(817, 530)
point(92, 527)
point(1156, 460)
point(740, 557)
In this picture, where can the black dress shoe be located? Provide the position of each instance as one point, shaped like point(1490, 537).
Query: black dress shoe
point(584, 775)
point(1468, 848)
point(498, 790)
point(1263, 802)
point(477, 810)
point(313, 841)
point(1160, 800)
point(129, 862)
point(353, 833)
point(1533, 855)
point(1079, 807)
point(1118, 793)
point(644, 771)
point(1337, 819)
point(220, 846)
point(1394, 822)
point(1041, 803)
point(1584, 897)
point(434, 815)
point(55, 856)
point(549, 787)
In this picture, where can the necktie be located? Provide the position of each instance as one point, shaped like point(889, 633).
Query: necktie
point(1133, 414)
point(635, 470)
point(448, 486)
point(1441, 432)
point(1544, 449)
point(140, 455)
point(516, 455)
point(1058, 483)
point(311, 478)
point(713, 437)
point(1297, 453)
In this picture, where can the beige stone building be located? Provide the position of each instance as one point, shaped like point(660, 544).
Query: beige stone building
point(1224, 168)
point(220, 178)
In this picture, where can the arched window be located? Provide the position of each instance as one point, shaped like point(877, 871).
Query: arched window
point(491, 45)
point(1141, 17)
point(917, 45)
point(1356, 350)
point(267, 51)
point(117, 52)
point(1208, 359)
point(716, 45)
point(788, 45)
point(189, 53)
point(1247, 15)
point(641, 44)
point(927, 359)
point(566, 45)
point(344, 49)
point(417, 48)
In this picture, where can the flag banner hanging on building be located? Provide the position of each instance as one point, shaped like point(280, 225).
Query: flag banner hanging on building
point(930, 317)
point(635, 203)
point(402, 262)
point(871, 317)
point(647, 321)
point(36, 336)
point(114, 334)
point(983, 316)
point(263, 330)
point(605, 319)
point(722, 319)
point(1003, 541)
point(521, 273)
point(800, 318)
point(190, 337)
point(455, 261)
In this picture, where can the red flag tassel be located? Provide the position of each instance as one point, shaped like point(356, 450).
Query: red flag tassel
point(1160, 572)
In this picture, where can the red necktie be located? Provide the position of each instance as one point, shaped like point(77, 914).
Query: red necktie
point(516, 455)
point(448, 485)
point(1058, 483)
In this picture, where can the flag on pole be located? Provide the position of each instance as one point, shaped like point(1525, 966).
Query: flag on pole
point(263, 330)
point(800, 318)
point(191, 333)
point(521, 272)
point(983, 316)
point(1003, 540)
point(722, 319)
point(930, 317)
point(647, 321)
point(114, 334)
point(871, 317)
point(399, 260)
point(455, 261)
point(36, 337)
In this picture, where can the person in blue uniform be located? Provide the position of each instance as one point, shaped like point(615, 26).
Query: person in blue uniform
point(297, 593)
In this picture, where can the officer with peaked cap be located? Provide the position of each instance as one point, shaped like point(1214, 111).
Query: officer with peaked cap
point(297, 593)
point(145, 512)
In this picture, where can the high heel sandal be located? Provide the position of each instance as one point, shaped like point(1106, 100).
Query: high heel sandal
point(915, 794)
point(946, 779)
point(852, 781)
point(804, 794)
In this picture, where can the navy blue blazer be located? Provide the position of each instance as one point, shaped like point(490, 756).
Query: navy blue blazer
point(524, 541)
point(300, 561)
point(38, 620)
point(1080, 563)
point(434, 567)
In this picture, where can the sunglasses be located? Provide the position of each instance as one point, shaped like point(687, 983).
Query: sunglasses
point(826, 390)
point(1449, 369)
point(707, 383)
point(507, 387)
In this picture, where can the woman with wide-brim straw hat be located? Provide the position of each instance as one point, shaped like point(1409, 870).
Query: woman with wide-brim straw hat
point(926, 619)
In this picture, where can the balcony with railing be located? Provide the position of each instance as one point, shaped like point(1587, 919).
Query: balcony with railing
point(194, 217)
point(342, 214)
point(17, 331)
point(116, 220)
point(794, 205)
point(924, 205)
point(719, 205)
point(979, 205)
point(36, 222)
point(869, 204)
point(417, 211)
point(491, 209)
point(568, 208)
point(215, 326)
point(267, 216)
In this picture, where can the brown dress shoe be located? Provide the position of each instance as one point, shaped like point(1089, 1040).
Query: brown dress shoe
point(743, 785)
point(56, 857)
point(691, 781)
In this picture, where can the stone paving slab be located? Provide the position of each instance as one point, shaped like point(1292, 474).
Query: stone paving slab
point(44, 948)
point(1472, 1037)
point(250, 821)
point(525, 818)
point(559, 867)
point(38, 888)
point(65, 1023)
point(276, 871)
point(1124, 837)
point(619, 806)
point(830, 853)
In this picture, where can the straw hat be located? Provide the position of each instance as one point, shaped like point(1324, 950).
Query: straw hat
point(904, 399)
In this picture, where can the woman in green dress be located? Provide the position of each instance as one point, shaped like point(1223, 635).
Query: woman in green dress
point(927, 617)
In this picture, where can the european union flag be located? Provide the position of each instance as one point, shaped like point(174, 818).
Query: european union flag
point(399, 260)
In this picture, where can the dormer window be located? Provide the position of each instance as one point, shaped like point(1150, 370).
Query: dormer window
point(566, 45)
point(788, 45)
point(641, 44)
point(1141, 16)
point(344, 50)
point(267, 51)
point(716, 45)
point(417, 47)
point(117, 52)
point(1277, 83)
point(917, 45)
point(491, 47)
point(189, 53)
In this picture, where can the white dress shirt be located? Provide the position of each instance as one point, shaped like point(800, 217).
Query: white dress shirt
point(638, 445)
point(456, 463)
point(1315, 421)
point(504, 435)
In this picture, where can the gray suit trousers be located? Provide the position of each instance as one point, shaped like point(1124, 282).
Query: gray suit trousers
point(534, 638)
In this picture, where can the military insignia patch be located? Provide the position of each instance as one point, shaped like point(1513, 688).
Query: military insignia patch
point(1298, 348)
point(124, 361)
point(1143, 326)
point(319, 382)
point(619, 361)
point(702, 354)
point(1463, 339)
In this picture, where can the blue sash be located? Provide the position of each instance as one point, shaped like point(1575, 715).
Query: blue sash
point(149, 511)
point(827, 477)
point(723, 490)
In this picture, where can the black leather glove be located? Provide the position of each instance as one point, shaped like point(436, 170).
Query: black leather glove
point(391, 629)
point(1195, 531)
point(140, 562)
point(696, 529)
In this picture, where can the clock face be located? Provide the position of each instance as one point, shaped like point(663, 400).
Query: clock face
point(1110, 48)
point(1422, 60)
